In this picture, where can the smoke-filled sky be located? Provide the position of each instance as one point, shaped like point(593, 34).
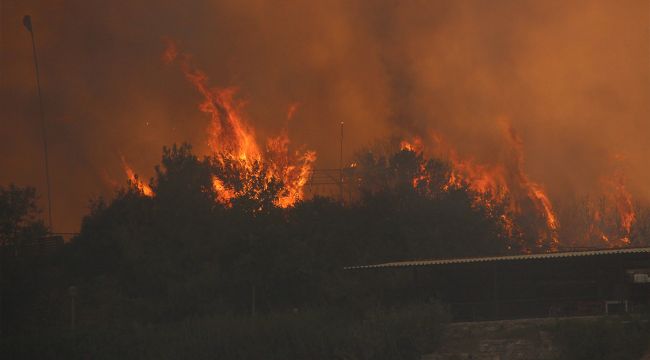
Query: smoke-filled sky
point(571, 77)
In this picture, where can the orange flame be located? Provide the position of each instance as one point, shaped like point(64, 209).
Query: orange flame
point(625, 209)
point(143, 187)
point(171, 51)
point(498, 184)
point(223, 194)
point(610, 221)
point(293, 108)
point(230, 135)
point(415, 145)
point(618, 214)
point(534, 191)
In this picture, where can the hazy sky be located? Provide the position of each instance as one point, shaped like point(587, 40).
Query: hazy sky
point(572, 77)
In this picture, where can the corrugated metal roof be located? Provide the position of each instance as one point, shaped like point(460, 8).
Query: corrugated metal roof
point(503, 258)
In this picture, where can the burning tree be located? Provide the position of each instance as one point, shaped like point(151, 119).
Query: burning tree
point(247, 184)
point(235, 150)
point(242, 169)
point(249, 175)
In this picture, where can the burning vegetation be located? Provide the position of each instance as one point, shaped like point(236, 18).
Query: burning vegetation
point(242, 237)
point(135, 181)
point(234, 146)
point(610, 219)
point(272, 173)
point(242, 168)
point(523, 206)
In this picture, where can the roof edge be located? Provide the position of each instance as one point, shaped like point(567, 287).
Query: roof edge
point(550, 255)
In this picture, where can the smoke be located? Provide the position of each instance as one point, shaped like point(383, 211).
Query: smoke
point(572, 78)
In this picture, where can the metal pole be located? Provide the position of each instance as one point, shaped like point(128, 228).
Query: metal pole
point(27, 21)
point(341, 164)
point(252, 300)
point(72, 291)
point(495, 289)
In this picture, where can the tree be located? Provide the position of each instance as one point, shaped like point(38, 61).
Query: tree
point(253, 187)
point(19, 221)
point(185, 250)
point(410, 211)
point(19, 215)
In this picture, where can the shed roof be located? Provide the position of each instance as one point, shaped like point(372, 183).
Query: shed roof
point(550, 255)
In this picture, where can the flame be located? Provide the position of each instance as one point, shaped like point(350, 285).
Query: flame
point(143, 187)
point(292, 110)
point(481, 179)
point(494, 184)
point(231, 137)
point(171, 51)
point(415, 145)
point(421, 180)
point(625, 208)
point(224, 195)
point(613, 217)
point(544, 204)
point(610, 221)
point(292, 170)
point(534, 191)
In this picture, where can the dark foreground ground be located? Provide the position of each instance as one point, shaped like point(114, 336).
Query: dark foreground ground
point(542, 339)
point(412, 333)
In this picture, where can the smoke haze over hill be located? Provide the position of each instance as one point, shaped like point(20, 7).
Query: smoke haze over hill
point(573, 80)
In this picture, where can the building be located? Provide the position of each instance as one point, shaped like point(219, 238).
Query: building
point(522, 286)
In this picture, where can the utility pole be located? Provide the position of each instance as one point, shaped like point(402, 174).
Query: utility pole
point(72, 291)
point(253, 300)
point(341, 165)
point(27, 21)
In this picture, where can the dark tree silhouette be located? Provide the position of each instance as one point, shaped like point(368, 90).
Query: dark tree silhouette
point(183, 252)
point(19, 215)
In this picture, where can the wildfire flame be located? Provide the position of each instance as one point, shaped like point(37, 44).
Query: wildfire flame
point(231, 138)
point(497, 184)
point(612, 221)
point(414, 145)
point(534, 191)
point(143, 187)
point(504, 184)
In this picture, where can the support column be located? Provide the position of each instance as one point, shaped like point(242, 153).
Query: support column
point(495, 291)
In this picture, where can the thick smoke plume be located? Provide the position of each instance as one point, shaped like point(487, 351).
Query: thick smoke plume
point(572, 78)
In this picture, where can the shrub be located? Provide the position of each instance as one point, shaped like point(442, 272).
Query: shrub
point(404, 333)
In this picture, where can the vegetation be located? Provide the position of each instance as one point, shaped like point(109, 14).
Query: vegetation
point(381, 334)
point(18, 216)
point(180, 253)
point(182, 275)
